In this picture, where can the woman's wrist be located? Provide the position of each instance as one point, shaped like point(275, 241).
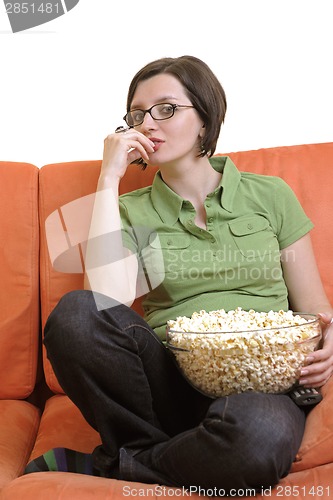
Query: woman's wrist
point(108, 180)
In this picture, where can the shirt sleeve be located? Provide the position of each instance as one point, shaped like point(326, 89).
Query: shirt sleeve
point(292, 222)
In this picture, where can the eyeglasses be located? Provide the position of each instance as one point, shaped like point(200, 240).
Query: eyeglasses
point(162, 111)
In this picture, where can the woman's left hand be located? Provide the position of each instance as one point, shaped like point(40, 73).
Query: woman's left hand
point(320, 367)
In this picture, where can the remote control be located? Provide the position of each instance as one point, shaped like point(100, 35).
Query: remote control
point(305, 397)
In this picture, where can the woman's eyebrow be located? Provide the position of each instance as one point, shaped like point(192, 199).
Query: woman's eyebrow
point(162, 99)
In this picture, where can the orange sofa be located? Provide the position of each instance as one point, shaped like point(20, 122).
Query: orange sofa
point(35, 415)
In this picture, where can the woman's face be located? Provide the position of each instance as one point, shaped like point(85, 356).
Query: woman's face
point(177, 139)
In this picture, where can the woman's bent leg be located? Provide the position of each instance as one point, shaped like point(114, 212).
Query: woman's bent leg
point(245, 441)
point(119, 374)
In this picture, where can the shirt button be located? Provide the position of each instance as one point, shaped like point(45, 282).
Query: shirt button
point(169, 242)
point(250, 226)
point(207, 205)
point(210, 219)
point(190, 223)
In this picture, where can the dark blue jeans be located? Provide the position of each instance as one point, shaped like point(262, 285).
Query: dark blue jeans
point(154, 426)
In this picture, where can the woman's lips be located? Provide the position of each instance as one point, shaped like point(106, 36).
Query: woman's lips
point(157, 143)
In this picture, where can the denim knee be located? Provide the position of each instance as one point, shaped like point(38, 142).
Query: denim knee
point(64, 328)
point(261, 433)
point(77, 329)
point(245, 441)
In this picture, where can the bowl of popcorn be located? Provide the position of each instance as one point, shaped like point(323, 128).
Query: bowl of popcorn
point(222, 353)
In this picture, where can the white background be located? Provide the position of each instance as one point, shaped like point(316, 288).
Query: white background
point(63, 85)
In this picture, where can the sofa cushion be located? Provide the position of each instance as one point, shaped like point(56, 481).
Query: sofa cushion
point(62, 425)
point(19, 422)
point(19, 291)
point(308, 485)
point(60, 184)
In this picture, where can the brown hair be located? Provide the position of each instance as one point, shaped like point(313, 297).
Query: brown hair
point(202, 87)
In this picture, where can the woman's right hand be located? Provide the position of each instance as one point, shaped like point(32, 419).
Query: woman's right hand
point(121, 149)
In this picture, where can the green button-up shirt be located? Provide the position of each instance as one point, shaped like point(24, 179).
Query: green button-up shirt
point(234, 262)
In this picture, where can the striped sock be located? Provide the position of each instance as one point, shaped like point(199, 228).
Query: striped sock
point(63, 460)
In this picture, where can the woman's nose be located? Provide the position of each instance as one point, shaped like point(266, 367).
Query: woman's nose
point(148, 122)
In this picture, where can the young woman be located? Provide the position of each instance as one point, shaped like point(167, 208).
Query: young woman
point(112, 363)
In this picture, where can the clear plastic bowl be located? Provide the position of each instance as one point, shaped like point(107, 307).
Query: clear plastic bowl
point(263, 360)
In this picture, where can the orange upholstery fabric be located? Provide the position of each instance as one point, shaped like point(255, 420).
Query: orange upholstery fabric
point(19, 422)
point(19, 314)
point(58, 185)
point(63, 486)
point(63, 424)
point(19, 292)
point(316, 447)
point(311, 484)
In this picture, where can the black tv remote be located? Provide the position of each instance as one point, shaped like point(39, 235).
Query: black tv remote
point(305, 396)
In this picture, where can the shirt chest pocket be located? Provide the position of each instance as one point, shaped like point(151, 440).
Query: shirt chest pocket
point(172, 247)
point(253, 236)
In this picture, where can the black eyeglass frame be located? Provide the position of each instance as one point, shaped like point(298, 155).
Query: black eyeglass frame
point(145, 111)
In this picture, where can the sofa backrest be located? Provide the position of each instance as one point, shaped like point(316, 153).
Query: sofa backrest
point(19, 291)
point(60, 184)
point(308, 169)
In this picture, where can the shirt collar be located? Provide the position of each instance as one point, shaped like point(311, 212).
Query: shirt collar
point(230, 180)
point(168, 204)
